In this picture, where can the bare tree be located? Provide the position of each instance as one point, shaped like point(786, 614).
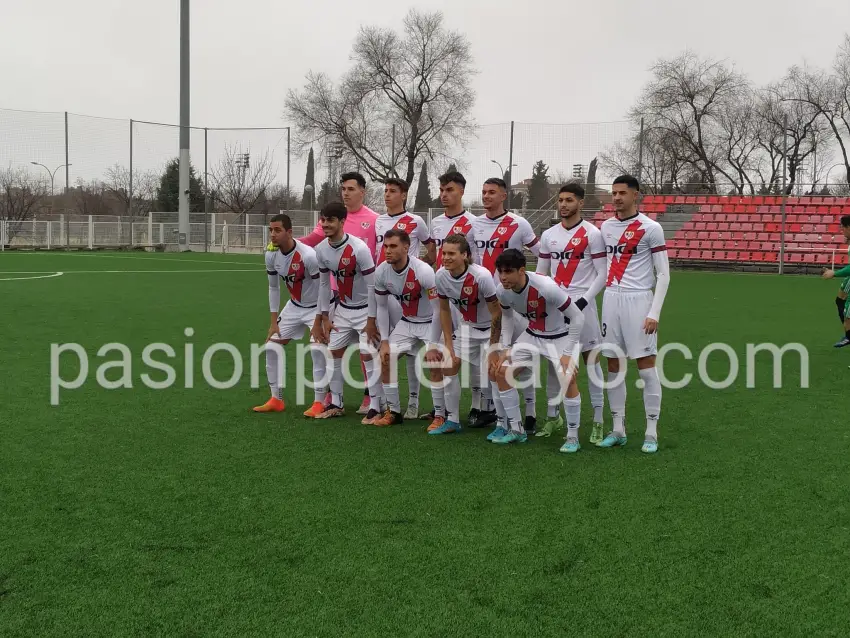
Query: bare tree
point(22, 195)
point(91, 198)
point(239, 183)
point(685, 100)
point(413, 89)
point(144, 186)
point(662, 165)
point(738, 139)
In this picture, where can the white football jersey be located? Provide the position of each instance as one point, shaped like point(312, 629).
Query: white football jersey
point(494, 236)
point(542, 302)
point(469, 293)
point(570, 253)
point(299, 270)
point(349, 262)
point(413, 287)
point(630, 244)
point(443, 226)
point(412, 224)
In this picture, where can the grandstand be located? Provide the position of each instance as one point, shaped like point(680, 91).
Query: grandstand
point(745, 232)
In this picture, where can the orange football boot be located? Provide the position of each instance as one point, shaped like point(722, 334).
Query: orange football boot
point(437, 422)
point(272, 405)
point(315, 410)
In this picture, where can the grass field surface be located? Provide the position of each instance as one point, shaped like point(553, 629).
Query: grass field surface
point(180, 512)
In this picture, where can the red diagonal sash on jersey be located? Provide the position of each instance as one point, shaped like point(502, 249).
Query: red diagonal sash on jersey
point(502, 235)
point(406, 224)
point(469, 299)
point(460, 227)
point(295, 277)
point(535, 310)
point(577, 245)
point(411, 294)
point(629, 241)
point(345, 273)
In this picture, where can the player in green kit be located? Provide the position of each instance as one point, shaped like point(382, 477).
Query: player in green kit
point(843, 298)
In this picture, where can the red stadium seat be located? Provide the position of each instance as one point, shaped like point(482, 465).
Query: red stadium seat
point(757, 257)
point(822, 259)
point(706, 255)
point(743, 256)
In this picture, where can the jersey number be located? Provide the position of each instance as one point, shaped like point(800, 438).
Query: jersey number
point(604, 329)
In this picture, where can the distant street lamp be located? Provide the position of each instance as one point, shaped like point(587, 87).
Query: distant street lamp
point(52, 175)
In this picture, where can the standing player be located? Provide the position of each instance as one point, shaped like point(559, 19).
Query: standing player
point(410, 282)
point(573, 254)
point(397, 217)
point(296, 265)
point(359, 222)
point(496, 231)
point(841, 300)
point(469, 331)
point(637, 261)
point(351, 262)
point(457, 221)
point(554, 327)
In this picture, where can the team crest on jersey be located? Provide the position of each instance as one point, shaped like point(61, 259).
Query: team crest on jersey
point(401, 226)
point(575, 241)
point(467, 290)
point(365, 224)
point(457, 230)
point(296, 266)
point(628, 234)
point(345, 261)
point(501, 230)
point(411, 284)
point(532, 303)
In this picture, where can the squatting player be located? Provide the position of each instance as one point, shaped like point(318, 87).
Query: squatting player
point(496, 231)
point(296, 264)
point(554, 327)
point(842, 300)
point(637, 261)
point(410, 282)
point(351, 262)
point(573, 254)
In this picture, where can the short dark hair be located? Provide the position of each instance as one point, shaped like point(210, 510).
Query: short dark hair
point(395, 181)
point(396, 232)
point(573, 188)
point(498, 181)
point(284, 221)
point(462, 243)
point(334, 210)
point(361, 181)
point(845, 220)
point(511, 259)
point(628, 180)
point(452, 176)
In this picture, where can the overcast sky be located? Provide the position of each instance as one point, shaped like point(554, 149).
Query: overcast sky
point(576, 61)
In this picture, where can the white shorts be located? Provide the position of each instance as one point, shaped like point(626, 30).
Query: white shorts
point(528, 350)
point(591, 333)
point(470, 343)
point(407, 337)
point(623, 315)
point(293, 320)
point(350, 327)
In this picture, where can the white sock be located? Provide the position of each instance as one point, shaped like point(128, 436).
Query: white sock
point(510, 404)
point(373, 379)
point(617, 403)
point(497, 406)
point(438, 398)
point(337, 382)
point(573, 409)
point(319, 370)
point(452, 395)
point(391, 392)
point(412, 381)
point(529, 393)
point(553, 389)
point(273, 370)
point(486, 397)
point(597, 394)
point(475, 385)
point(651, 399)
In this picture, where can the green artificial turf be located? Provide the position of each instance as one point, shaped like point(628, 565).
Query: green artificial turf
point(181, 512)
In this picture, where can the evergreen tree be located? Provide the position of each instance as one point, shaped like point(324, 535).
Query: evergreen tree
point(168, 192)
point(308, 200)
point(423, 191)
point(538, 191)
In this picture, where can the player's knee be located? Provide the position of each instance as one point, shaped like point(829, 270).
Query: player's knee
point(613, 365)
point(645, 363)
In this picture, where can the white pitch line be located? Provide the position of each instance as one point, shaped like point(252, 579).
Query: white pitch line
point(183, 261)
point(40, 276)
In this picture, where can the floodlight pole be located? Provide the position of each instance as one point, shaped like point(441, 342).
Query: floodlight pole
point(183, 195)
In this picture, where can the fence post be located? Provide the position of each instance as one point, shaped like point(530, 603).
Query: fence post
point(49, 229)
point(207, 194)
point(784, 192)
point(3, 235)
point(130, 194)
point(510, 167)
point(91, 232)
point(62, 232)
point(67, 178)
point(150, 230)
